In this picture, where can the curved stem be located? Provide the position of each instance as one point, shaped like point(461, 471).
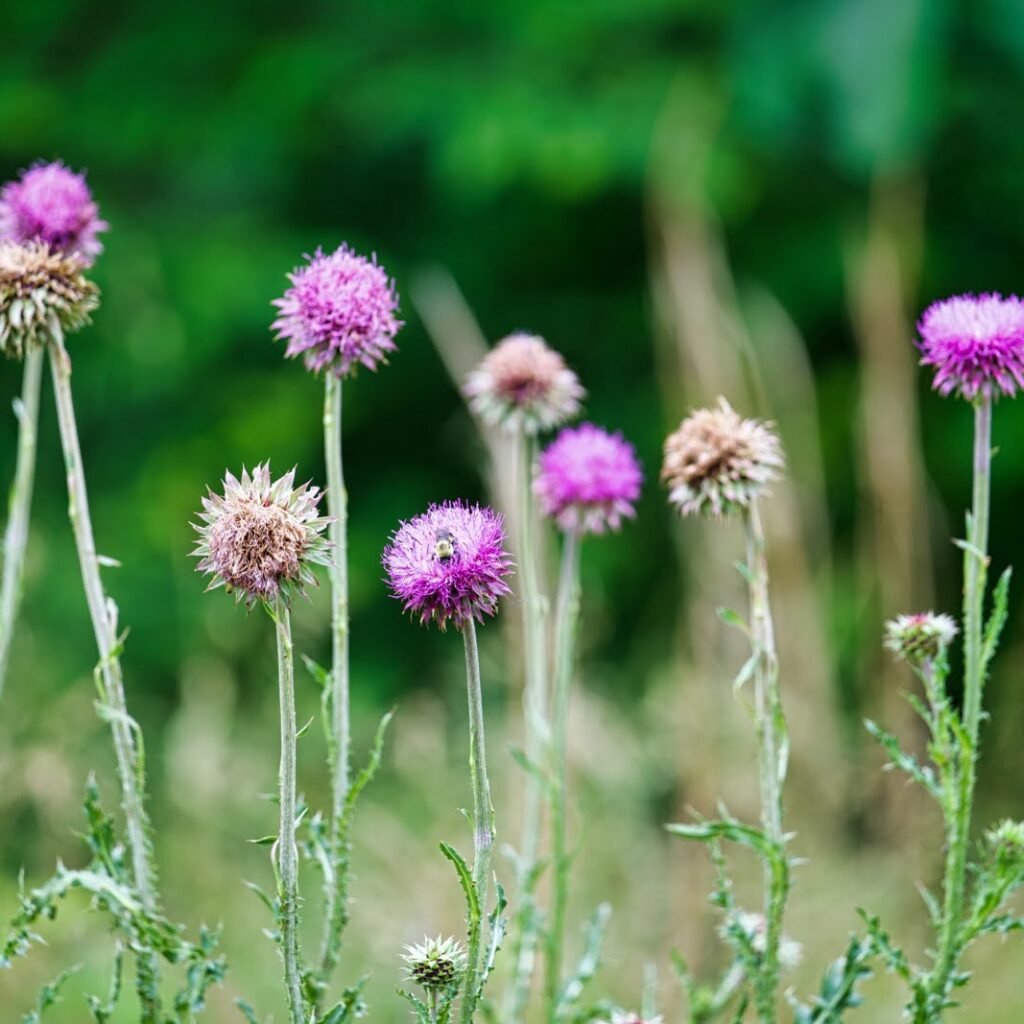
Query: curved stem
point(16, 535)
point(566, 617)
point(287, 851)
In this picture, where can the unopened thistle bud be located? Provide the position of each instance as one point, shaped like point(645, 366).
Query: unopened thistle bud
point(260, 537)
point(919, 638)
point(523, 384)
point(39, 290)
point(436, 964)
point(717, 462)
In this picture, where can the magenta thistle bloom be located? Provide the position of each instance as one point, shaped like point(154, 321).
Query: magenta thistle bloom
point(587, 480)
point(976, 344)
point(339, 313)
point(449, 564)
point(50, 203)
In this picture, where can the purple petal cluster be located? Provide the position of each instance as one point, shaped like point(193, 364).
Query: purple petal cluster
point(50, 203)
point(587, 480)
point(339, 313)
point(975, 344)
point(449, 564)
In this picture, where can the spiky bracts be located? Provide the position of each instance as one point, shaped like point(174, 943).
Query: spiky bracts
point(920, 637)
point(261, 537)
point(435, 964)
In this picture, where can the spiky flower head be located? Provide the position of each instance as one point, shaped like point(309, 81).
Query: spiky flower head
point(632, 1017)
point(339, 312)
point(921, 637)
point(1006, 844)
point(754, 927)
point(260, 537)
point(976, 345)
point(449, 564)
point(717, 462)
point(50, 203)
point(588, 480)
point(436, 964)
point(523, 384)
point(39, 290)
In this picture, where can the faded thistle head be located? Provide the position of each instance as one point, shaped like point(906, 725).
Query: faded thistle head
point(753, 928)
point(1006, 844)
point(588, 480)
point(632, 1017)
point(339, 313)
point(523, 384)
point(449, 564)
point(260, 537)
point(41, 291)
point(921, 637)
point(975, 343)
point(435, 964)
point(717, 462)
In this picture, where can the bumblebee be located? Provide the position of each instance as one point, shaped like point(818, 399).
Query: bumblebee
point(444, 545)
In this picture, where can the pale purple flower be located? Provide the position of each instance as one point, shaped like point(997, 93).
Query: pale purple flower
point(921, 637)
point(50, 203)
point(587, 480)
point(975, 344)
point(339, 313)
point(449, 564)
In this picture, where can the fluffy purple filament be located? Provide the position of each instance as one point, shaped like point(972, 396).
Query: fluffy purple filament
point(339, 313)
point(588, 480)
point(975, 344)
point(449, 564)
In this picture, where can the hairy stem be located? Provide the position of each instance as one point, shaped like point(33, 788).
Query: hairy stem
point(566, 617)
point(287, 851)
point(20, 502)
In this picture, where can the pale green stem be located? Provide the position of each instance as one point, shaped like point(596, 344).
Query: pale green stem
point(483, 820)
point(336, 911)
point(566, 618)
point(771, 736)
point(959, 828)
point(16, 536)
point(537, 736)
point(103, 616)
point(286, 850)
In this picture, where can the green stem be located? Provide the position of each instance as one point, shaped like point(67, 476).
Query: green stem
point(336, 884)
point(566, 617)
point(962, 798)
point(771, 736)
point(16, 536)
point(537, 737)
point(287, 851)
point(483, 821)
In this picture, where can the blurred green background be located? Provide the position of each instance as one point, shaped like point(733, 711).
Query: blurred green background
point(687, 199)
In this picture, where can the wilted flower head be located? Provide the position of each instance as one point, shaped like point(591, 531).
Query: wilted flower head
point(260, 537)
point(339, 313)
point(50, 203)
point(587, 480)
point(755, 928)
point(40, 288)
point(523, 383)
point(435, 963)
point(975, 344)
point(717, 462)
point(920, 637)
point(449, 564)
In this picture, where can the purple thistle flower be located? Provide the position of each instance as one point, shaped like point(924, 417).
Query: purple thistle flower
point(339, 312)
point(588, 479)
point(976, 344)
point(449, 564)
point(50, 203)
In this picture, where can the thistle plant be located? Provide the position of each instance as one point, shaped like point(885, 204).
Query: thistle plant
point(437, 966)
point(338, 314)
point(448, 566)
point(523, 387)
point(719, 464)
point(259, 540)
point(587, 482)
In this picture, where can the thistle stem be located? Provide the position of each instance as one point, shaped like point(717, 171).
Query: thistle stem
point(772, 741)
point(336, 884)
point(537, 736)
point(16, 535)
point(287, 851)
point(566, 617)
point(961, 800)
point(483, 820)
